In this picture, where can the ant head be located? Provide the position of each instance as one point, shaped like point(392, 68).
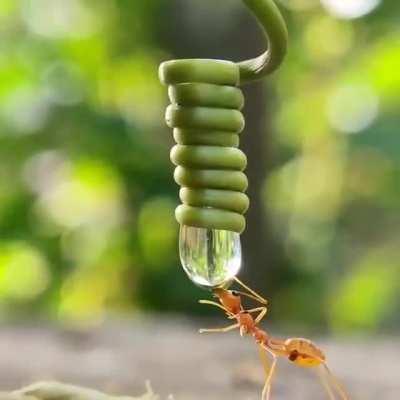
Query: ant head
point(229, 300)
point(218, 293)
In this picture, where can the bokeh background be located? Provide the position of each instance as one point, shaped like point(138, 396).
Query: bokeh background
point(87, 196)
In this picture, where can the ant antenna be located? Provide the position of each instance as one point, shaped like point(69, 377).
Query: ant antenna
point(333, 380)
point(255, 294)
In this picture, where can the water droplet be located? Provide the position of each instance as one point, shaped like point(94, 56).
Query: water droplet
point(210, 257)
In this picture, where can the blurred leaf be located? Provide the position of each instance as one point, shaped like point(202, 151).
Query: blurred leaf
point(369, 293)
point(23, 272)
point(157, 230)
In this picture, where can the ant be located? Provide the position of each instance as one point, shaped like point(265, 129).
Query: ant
point(301, 352)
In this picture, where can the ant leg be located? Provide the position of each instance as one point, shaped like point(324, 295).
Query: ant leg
point(214, 303)
point(278, 347)
point(261, 315)
point(325, 384)
point(267, 387)
point(222, 330)
point(266, 363)
point(335, 383)
point(252, 294)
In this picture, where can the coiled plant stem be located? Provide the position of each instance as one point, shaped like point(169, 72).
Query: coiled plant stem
point(205, 114)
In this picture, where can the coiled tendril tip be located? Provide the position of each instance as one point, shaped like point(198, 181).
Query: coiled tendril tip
point(206, 118)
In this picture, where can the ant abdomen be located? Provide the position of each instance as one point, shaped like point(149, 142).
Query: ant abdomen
point(304, 353)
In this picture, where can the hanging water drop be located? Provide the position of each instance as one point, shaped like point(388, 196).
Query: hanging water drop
point(210, 257)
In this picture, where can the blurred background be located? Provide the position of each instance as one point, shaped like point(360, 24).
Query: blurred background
point(87, 197)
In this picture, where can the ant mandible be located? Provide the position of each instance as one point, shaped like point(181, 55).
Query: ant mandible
point(302, 352)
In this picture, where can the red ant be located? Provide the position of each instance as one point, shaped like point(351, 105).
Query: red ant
point(301, 352)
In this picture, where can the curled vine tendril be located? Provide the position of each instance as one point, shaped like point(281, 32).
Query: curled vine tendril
point(206, 118)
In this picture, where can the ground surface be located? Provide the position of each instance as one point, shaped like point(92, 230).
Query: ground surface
point(120, 357)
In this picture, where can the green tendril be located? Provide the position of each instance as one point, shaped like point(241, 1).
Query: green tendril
point(271, 20)
point(206, 118)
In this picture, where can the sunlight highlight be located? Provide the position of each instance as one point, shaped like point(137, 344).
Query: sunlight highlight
point(351, 109)
point(349, 9)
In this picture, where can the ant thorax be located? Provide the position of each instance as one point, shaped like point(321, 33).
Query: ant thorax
point(246, 322)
